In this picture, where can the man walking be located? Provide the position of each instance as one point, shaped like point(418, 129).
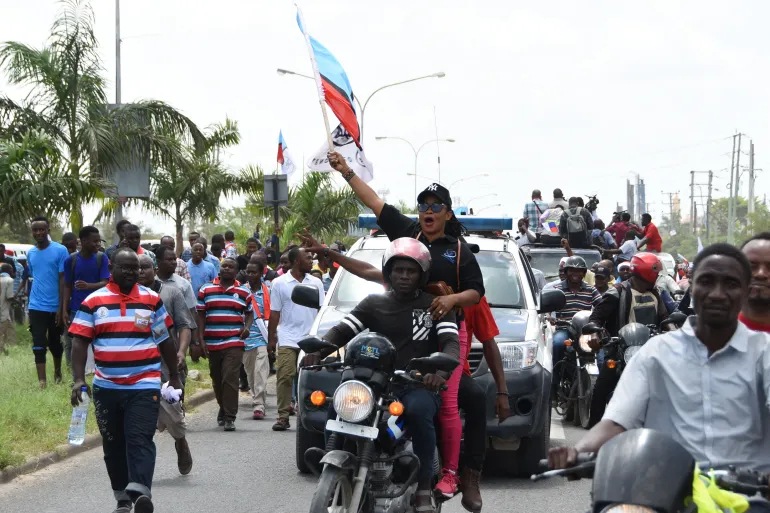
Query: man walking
point(70, 241)
point(208, 256)
point(651, 235)
point(225, 313)
point(192, 238)
point(119, 230)
point(201, 271)
point(534, 209)
point(132, 238)
point(290, 323)
point(7, 329)
point(46, 266)
point(243, 260)
point(255, 359)
point(230, 251)
point(84, 272)
point(127, 382)
point(181, 265)
point(171, 415)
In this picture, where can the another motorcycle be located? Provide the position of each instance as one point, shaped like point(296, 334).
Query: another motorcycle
point(646, 471)
point(578, 373)
point(619, 350)
point(368, 465)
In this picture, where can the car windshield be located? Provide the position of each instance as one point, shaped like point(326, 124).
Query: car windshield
point(501, 280)
point(548, 261)
point(668, 261)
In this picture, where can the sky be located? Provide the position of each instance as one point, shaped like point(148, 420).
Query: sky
point(576, 95)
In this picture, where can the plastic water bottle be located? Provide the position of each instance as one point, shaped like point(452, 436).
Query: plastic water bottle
point(77, 433)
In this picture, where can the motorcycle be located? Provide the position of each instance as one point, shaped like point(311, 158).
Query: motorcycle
point(646, 471)
point(619, 350)
point(368, 465)
point(578, 373)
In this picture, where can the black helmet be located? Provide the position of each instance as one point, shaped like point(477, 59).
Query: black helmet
point(575, 262)
point(371, 350)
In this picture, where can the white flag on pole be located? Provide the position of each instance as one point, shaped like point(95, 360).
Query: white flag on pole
point(345, 146)
point(700, 245)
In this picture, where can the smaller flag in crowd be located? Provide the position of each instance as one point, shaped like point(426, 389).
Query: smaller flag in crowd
point(551, 226)
point(284, 159)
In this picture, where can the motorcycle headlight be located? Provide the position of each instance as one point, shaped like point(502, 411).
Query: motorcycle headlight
point(630, 351)
point(627, 508)
point(583, 343)
point(353, 401)
point(518, 355)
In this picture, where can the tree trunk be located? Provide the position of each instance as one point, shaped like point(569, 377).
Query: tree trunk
point(179, 227)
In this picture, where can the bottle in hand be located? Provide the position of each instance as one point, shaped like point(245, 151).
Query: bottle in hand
point(77, 433)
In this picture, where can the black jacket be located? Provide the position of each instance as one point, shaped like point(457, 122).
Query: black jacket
point(613, 310)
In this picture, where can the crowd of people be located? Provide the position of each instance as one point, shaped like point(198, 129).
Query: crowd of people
point(131, 314)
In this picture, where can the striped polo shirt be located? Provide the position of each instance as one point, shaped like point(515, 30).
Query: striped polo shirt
point(225, 313)
point(584, 299)
point(125, 330)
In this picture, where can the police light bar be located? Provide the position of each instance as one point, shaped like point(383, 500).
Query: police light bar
point(471, 223)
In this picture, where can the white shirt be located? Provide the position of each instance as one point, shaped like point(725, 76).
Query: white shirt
point(296, 320)
point(628, 248)
point(717, 407)
point(524, 239)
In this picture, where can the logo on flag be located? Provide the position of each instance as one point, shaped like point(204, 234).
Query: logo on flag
point(284, 159)
point(345, 146)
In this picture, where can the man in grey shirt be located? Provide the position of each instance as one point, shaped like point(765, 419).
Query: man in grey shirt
point(706, 385)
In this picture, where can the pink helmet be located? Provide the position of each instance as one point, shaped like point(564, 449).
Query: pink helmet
point(409, 248)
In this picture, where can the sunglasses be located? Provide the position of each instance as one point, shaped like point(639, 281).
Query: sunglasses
point(435, 207)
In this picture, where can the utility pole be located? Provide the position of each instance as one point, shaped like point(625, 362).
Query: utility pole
point(751, 177)
point(693, 215)
point(119, 208)
point(708, 209)
point(731, 201)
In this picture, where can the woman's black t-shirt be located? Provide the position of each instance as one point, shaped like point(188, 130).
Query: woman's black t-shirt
point(443, 252)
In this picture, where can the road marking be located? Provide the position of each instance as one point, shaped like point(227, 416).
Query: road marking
point(557, 430)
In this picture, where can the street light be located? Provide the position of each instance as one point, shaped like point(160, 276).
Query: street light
point(489, 206)
point(479, 197)
point(466, 178)
point(421, 176)
point(440, 74)
point(416, 152)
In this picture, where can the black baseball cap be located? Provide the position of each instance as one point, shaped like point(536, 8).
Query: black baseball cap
point(437, 190)
point(603, 271)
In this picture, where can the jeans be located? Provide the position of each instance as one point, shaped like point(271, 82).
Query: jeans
point(473, 401)
point(46, 335)
point(420, 408)
point(225, 368)
point(127, 420)
point(558, 353)
point(604, 386)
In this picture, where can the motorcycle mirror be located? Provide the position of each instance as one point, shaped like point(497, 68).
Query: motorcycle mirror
point(433, 363)
point(551, 300)
point(676, 318)
point(315, 344)
point(591, 328)
point(306, 295)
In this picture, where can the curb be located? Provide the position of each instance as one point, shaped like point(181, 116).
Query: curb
point(66, 451)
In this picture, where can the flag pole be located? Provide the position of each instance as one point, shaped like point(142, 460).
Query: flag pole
point(317, 77)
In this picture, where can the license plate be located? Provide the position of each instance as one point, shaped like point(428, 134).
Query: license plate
point(347, 428)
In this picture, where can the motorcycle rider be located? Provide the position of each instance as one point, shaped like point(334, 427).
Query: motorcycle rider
point(705, 385)
point(634, 300)
point(402, 315)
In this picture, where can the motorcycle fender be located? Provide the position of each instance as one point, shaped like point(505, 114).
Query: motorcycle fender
point(593, 369)
point(340, 459)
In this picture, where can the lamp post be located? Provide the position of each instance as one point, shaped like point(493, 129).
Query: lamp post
point(416, 153)
point(488, 206)
point(440, 74)
point(466, 178)
point(479, 197)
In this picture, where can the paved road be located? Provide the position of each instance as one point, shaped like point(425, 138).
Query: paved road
point(248, 471)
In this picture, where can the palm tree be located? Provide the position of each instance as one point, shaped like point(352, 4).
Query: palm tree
point(67, 101)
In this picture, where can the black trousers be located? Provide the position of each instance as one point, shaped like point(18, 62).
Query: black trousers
point(604, 386)
point(127, 421)
point(46, 335)
point(473, 401)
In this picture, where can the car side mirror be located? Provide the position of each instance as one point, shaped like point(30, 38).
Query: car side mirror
point(433, 363)
point(591, 328)
point(306, 295)
point(551, 300)
point(315, 345)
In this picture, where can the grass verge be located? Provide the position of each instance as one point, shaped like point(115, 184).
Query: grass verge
point(34, 421)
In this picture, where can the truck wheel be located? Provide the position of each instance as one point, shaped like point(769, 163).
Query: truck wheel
point(534, 449)
point(304, 441)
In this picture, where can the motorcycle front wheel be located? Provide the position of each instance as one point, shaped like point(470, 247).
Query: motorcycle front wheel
point(585, 394)
point(334, 492)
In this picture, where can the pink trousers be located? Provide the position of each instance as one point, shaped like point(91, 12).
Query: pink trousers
point(450, 427)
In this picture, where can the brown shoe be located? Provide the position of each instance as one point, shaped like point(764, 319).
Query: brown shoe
point(184, 459)
point(281, 425)
point(469, 487)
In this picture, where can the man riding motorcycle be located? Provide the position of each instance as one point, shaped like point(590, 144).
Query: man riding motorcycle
point(402, 316)
point(634, 300)
point(705, 385)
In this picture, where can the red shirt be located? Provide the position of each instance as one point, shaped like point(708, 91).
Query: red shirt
point(481, 324)
point(755, 326)
point(654, 242)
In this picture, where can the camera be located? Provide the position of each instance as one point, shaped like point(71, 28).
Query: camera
point(593, 201)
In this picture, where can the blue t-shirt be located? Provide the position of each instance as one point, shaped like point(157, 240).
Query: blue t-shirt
point(85, 269)
point(255, 338)
point(213, 261)
point(45, 266)
point(201, 274)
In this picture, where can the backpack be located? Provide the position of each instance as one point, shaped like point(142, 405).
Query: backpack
point(598, 240)
point(575, 222)
point(99, 259)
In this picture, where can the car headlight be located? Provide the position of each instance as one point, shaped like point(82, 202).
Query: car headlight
point(630, 351)
point(583, 343)
point(353, 401)
point(518, 355)
point(627, 508)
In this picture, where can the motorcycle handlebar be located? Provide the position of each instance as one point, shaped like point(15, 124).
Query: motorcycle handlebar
point(416, 379)
point(584, 467)
point(744, 481)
